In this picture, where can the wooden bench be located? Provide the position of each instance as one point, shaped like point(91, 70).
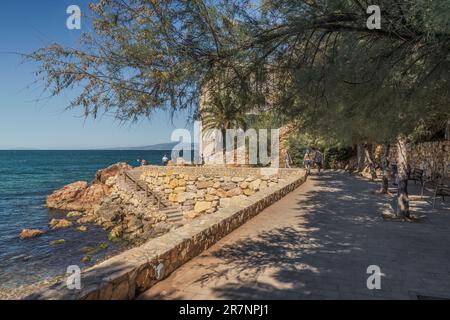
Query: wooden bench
point(440, 187)
point(416, 175)
point(441, 190)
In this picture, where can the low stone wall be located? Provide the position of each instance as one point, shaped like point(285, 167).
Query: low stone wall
point(204, 190)
point(132, 272)
point(222, 171)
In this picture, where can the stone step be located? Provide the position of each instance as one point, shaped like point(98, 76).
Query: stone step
point(143, 193)
point(166, 206)
point(174, 219)
point(174, 215)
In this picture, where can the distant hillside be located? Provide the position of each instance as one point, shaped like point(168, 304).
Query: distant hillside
point(160, 146)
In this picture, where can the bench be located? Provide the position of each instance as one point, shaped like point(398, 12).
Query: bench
point(416, 175)
point(441, 190)
point(439, 186)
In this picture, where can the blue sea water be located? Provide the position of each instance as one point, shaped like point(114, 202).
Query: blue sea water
point(26, 178)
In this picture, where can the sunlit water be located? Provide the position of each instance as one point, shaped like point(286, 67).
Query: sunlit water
point(26, 178)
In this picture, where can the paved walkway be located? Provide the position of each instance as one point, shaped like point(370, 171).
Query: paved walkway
point(316, 243)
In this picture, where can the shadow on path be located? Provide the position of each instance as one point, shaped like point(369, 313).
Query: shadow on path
point(332, 234)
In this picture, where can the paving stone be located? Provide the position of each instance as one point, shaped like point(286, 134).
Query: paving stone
point(318, 242)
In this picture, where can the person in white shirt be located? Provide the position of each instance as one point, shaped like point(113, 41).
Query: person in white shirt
point(165, 160)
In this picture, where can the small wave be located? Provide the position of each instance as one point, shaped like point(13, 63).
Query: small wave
point(22, 257)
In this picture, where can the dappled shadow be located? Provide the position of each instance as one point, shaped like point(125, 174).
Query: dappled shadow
point(336, 233)
point(317, 244)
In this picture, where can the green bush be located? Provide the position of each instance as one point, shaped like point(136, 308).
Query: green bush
point(333, 155)
point(298, 145)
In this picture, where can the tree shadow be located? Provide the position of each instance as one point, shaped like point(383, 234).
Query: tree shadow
point(331, 235)
point(339, 233)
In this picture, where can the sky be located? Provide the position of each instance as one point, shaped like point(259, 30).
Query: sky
point(25, 26)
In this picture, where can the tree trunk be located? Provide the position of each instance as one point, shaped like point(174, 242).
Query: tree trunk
point(373, 172)
point(385, 185)
point(402, 163)
point(360, 157)
point(224, 146)
point(447, 131)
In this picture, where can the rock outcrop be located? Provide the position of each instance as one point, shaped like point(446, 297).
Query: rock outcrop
point(128, 213)
point(80, 196)
point(60, 224)
point(103, 175)
point(69, 197)
point(127, 205)
point(30, 233)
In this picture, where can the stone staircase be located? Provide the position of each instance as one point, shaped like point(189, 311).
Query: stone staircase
point(132, 180)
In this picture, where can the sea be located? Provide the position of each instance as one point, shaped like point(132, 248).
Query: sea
point(26, 179)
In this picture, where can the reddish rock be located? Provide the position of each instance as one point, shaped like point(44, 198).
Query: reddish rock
point(112, 171)
point(30, 233)
point(78, 196)
point(86, 219)
point(82, 228)
point(68, 197)
point(60, 224)
point(93, 196)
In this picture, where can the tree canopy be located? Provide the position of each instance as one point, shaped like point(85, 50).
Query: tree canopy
point(346, 79)
point(314, 61)
point(140, 56)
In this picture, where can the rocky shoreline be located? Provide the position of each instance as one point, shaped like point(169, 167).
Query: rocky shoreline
point(125, 275)
point(21, 292)
point(112, 203)
point(137, 204)
point(134, 205)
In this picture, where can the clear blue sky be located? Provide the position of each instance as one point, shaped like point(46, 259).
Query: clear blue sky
point(26, 25)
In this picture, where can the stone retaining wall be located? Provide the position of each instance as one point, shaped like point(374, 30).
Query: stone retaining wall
point(204, 190)
point(222, 171)
point(432, 157)
point(134, 271)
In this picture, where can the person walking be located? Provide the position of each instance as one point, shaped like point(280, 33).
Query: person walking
point(287, 159)
point(318, 160)
point(307, 162)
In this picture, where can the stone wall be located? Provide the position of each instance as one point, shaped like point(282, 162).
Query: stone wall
point(111, 203)
point(128, 214)
point(130, 273)
point(432, 157)
point(285, 134)
point(204, 190)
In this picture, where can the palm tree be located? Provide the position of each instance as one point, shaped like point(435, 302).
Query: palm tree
point(221, 111)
